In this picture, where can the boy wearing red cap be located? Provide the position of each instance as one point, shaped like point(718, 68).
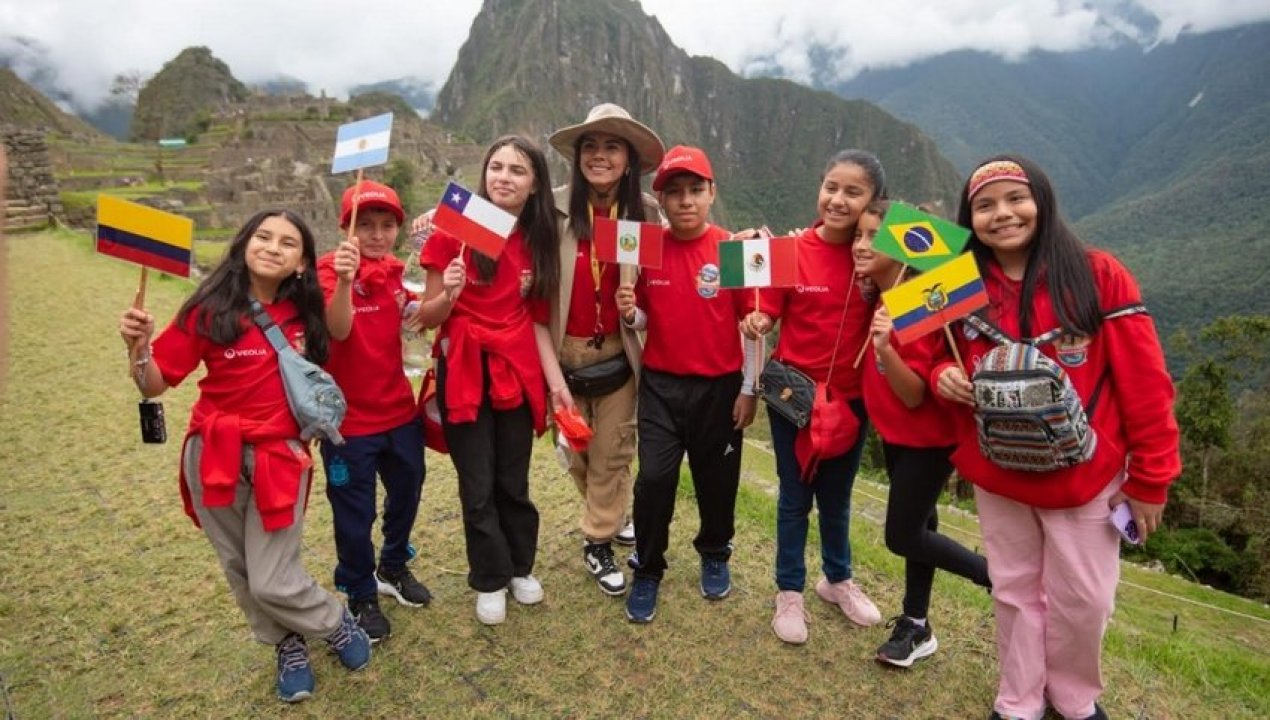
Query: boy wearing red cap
point(692, 396)
point(361, 280)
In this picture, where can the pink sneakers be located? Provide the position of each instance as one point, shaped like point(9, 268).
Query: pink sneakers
point(857, 606)
point(790, 621)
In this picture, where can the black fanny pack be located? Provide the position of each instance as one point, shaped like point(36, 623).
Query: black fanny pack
point(599, 379)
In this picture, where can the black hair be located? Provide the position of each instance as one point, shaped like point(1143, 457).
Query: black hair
point(1056, 256)
point(630, 198)
point(866, 161)
point(537, 219)
point(222, 304)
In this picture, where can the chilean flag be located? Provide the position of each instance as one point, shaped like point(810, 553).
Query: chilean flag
point(627, 242)
point(479, 223)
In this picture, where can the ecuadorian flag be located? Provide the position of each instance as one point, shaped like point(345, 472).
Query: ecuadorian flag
point(144, 235)
point(929, 301)
point(918, 239)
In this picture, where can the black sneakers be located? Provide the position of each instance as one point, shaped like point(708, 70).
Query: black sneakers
point(402, 585)
point(599, 561)
point(909, 643)
point(369, 617)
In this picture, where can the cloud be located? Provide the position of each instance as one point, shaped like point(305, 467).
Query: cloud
point(335, 46)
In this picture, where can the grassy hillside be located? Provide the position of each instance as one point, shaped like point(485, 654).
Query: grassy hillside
point(111, 603)
point(23, 106)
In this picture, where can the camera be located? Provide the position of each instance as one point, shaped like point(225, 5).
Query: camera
point(153, 428)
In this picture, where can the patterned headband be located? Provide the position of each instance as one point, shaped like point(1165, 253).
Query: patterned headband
point(991, 172)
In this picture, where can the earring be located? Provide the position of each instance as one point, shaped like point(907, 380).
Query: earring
point(299, 274)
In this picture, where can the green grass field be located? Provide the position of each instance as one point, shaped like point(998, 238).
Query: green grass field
point(112, 604)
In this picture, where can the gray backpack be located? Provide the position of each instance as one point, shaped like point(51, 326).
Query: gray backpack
point(1028, 415)
point(316, 401)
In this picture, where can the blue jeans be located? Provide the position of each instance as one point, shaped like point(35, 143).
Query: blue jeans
point(831, 492)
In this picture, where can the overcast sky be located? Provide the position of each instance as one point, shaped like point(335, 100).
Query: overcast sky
point(335, 46)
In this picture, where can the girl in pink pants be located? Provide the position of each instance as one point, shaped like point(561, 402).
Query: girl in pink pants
point(1053, 554)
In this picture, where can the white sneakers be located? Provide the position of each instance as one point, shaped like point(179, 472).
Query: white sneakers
point(527, 590)
point(491, 607)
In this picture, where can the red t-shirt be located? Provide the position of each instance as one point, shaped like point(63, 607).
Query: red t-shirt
point(811, 312)
point(582, 301)
point(692, 323)
point(504, 299)
point(242, 378)
point(367, 364)
point(928, 425)
point(1134, 415)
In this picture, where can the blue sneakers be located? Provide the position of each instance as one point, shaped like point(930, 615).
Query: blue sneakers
point(350, 642)
point(716, 580)
point(295, 674)
point(641, 603)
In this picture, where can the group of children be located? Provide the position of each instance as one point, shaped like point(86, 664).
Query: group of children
point(667, 356)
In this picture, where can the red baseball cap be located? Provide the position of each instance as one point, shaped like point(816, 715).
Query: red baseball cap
point(682, 159)
point(370, 196)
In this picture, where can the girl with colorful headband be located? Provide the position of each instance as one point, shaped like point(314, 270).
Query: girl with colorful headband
point(1053, 555)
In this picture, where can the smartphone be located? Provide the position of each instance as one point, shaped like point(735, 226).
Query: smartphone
point(1122, 518)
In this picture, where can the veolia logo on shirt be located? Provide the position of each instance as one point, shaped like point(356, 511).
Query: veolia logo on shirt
point(708, 280)
point(366, 309)
point(811, 288)
point(231, 353)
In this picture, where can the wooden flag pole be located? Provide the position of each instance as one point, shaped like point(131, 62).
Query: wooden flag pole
point(139, 301)
point(762, 343)
point(956, 353)
point(357, 193)
point(868, 340)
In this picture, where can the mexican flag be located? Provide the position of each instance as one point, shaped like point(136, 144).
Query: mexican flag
point(758, 262)
point(627, 242)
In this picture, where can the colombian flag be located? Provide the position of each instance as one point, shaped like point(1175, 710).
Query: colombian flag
point(144, 235)
point(931, 300)
point(915, 238)
point(628, 242)
point(474, 220)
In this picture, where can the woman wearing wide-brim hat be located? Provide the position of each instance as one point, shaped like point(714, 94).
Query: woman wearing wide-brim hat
point(608, 153)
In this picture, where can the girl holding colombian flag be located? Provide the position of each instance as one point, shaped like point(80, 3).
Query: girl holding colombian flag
point(1053, 556)
point(916, 442)
point(494, 358)
point(826, 297)
point(245, 473)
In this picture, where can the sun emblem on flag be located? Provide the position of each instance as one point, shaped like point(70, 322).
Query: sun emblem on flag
point(628, 242)
point(361, 144)
point(934, 298)
point(758, 261)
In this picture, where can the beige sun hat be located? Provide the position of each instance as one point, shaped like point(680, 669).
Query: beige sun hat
point(613, 119)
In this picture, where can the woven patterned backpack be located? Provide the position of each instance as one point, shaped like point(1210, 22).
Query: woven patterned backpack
point(1027, 413)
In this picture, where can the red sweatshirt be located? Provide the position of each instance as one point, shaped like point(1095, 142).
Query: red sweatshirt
point(812, 311)
point(367, 364)
point(931, 424)
point(494, 318)
point(1134, 414)
point(692, 323)
point(241, 400)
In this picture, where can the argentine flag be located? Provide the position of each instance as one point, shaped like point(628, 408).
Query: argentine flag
point(362, 144)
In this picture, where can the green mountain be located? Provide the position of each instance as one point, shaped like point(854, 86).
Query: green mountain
point(180, 100)
point(23, 106)
point(1161, 155)
point(536, 65)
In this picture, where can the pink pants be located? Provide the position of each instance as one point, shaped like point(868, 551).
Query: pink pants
point(1054, 576)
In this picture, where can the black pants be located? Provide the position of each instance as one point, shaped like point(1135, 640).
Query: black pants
point(917, 477)
point(491, 456)
point(678, 414)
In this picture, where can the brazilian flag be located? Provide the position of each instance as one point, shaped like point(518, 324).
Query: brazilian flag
point(918, 239)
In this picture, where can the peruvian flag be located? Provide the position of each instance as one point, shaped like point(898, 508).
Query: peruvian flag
point(627, 242)
point(758, 262)
point(479, 223)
